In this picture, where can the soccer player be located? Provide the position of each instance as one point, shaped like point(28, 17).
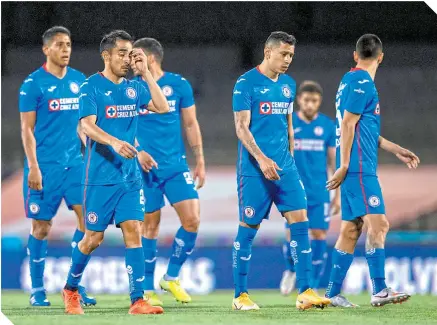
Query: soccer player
point(108, 112)
point(358, 140)
point(314, 147)
point(266, 171)
point(48, 104)
point(161, 146)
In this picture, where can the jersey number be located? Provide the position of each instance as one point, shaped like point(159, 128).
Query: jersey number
point(188, 178)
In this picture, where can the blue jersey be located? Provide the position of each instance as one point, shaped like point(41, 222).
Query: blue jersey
point(311, 142)
point(56, 103)
point(116, 107)
point(269, 103)
point(357, 94)
point(160, 134)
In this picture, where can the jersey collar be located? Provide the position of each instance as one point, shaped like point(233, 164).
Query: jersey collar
point(356, 69)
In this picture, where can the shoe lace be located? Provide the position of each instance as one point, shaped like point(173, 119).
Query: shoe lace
point(244, 297)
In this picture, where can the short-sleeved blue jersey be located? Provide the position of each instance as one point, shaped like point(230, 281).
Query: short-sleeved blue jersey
point(56, 103)
point(357, 94)
point(160, 134)
point(311, 142)
point(116, 107)
point(269, 103)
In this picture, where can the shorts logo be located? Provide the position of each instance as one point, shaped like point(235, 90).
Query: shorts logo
point(74, 87)
point(167, 91)
point(265, 108)
point(54, 105)
point(131, 93)
point(236, 245)
point(34, 208)
point(293, 244)
point(249, 212)
point(377, 109)
point(374, 201)
point(286, 91)
point(318, 130)
point(92, 217)
point(111, 111)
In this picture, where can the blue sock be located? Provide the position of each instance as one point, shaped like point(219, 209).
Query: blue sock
point(376, 261)
point(341, 262)
point(183, 246)
point(37, 250)
point(149, 248)
point(79, 262)
point(135, 271)
point(301, 254)
point(241, 254)
point(77, 237)
point(286, 252)
point(318, 248)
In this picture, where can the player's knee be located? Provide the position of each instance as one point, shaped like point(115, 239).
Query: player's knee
point(191, 223)
point(151, 228)
point(318, 234)
point(41, 229)
point(91, 241)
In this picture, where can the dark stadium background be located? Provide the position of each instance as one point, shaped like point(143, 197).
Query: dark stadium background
point(211, 44)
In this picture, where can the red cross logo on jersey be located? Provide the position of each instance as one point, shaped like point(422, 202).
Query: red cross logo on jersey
point(265, 108)
point(111, 112)
point(143, 110)
point(54, 105)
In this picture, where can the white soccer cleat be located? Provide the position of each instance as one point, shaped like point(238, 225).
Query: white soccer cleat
point(288, 282)
point(388, 296)
point(341, 301)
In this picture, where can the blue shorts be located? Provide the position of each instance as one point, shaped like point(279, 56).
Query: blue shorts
point(176, 184)
point(319, 216)
point(257, 194)
point(58, 183)
point(361, 195)
point(107, 204)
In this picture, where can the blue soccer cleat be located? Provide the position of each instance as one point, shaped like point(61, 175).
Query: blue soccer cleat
point(85, 300)
point(39, 299)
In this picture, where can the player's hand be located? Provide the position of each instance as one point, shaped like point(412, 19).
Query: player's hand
point(408, 158)
point(199, 174)
point(269, 168)
point(140, 60)
point(146, 161)
point(334, 206)
point(34, 179)
point(337, 178)
point(124, 149)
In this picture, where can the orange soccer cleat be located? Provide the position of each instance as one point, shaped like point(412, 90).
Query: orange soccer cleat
point(72, 302)
point(142, 307)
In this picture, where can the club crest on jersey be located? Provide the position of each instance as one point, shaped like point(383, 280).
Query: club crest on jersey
point(167, 91)
point(74, 87)
point(131, 93)
point(34, 208)
point(111, 111)
point(249, 212)
point(92, 217)
point(377, 111)
point(265, 108)
point(54, 105)
point(318, 130)
point(286, 91)
point(374, 201)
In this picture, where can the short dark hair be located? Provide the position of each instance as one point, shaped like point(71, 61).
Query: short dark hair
point(276, 38)
point(51, 32)
point(109, 40)
point(309, 86)
point(369, 46)
point(152, 46)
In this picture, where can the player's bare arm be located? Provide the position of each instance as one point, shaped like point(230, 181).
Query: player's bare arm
point(290, 133)
point(348, 124)
point(406, 156)
point(194, 137)
point(82, 136)
point(335, 203)
point(92, 131)
point(159, 103)
point(28, 119)
point(267, 165)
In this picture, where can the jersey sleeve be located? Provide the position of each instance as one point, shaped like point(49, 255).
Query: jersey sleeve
point(144, 96)
point(356, 99)
point(242, 97)
point(293, 98)
point(29, 96)
point(331, 135)
point(87, 100)
point(187, 97)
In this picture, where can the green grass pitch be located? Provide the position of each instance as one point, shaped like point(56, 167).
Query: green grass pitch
point(216, 309)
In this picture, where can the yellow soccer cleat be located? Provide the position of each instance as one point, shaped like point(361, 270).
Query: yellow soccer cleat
point(309, 299)
point(153, 299)
point(174, 287)
point(243, 302)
